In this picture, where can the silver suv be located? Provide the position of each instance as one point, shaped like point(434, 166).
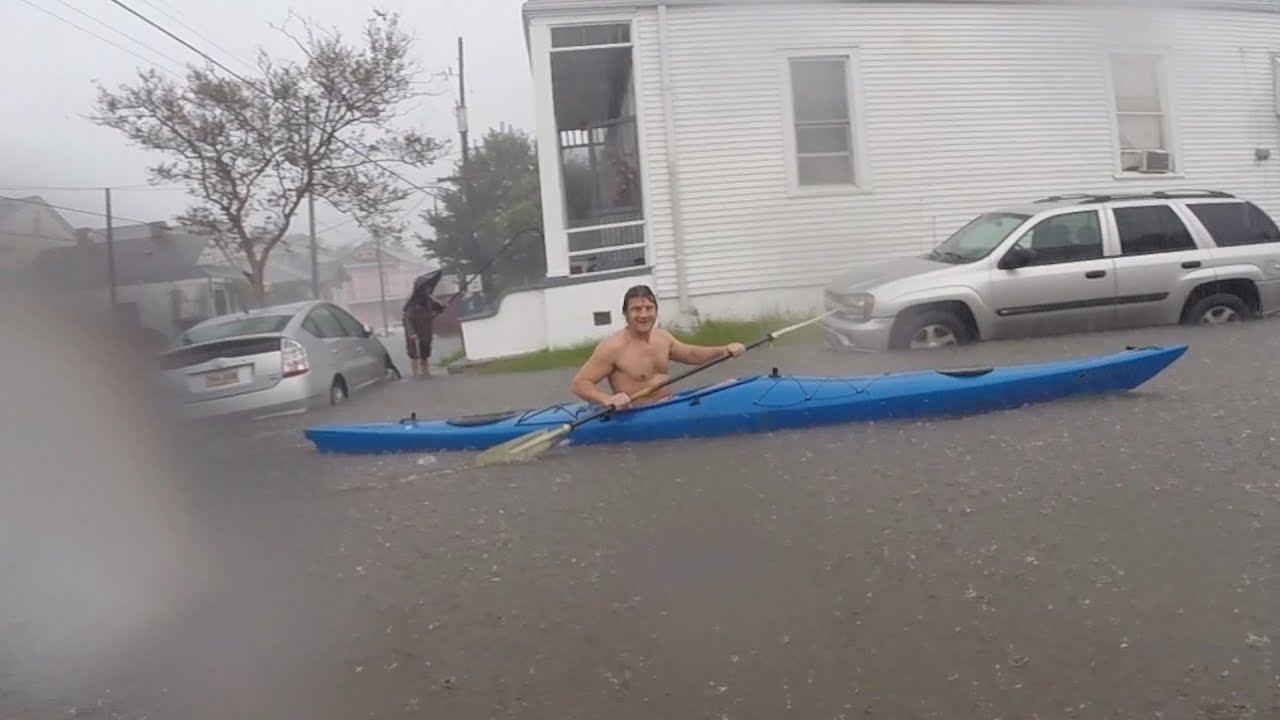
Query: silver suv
point(1067, 264)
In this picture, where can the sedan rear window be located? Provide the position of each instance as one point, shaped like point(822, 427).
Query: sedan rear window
point(251, 325)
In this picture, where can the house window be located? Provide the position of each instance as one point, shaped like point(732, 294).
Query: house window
point(822, 121)
point(1142, 121)
point(593, 89)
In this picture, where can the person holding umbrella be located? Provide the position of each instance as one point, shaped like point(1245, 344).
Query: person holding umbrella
point(419, 315)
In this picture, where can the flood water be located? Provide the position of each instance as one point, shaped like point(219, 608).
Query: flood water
point(1088, 559)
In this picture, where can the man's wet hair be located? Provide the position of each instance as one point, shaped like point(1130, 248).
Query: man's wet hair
point(638, 291)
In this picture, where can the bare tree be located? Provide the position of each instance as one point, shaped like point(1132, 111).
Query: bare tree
point(249, 151)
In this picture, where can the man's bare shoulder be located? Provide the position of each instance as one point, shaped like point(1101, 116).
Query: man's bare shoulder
point(663, 336)
point(612, 344)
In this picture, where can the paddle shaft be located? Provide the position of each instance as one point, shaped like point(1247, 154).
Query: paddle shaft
point(693, 371)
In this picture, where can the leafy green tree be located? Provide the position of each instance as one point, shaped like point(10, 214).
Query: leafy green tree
point(503, 177)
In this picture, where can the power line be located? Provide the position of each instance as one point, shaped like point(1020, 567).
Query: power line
point(64, 208)
point(197, 33)
point(94, 188)
point(86, 31)
point(349, 221)
point(122, 33)
point(253, 85)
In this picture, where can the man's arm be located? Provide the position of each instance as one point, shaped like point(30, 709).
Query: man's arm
point(698, 354)
point(596, 368)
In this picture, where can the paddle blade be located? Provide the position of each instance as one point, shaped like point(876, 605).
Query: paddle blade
point(522, 449)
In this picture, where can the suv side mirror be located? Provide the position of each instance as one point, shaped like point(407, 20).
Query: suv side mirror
point(368, 331)
point(1017, 257)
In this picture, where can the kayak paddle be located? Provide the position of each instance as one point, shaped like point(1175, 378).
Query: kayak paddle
point(534, 444)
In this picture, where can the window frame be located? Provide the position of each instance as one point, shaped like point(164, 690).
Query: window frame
point(1168, 111)
point(347, 320)
point(313, 316)
point(1029, 227)
point(1209, 237)
point(1113, 220)
point(542, 38)
point(860, 169)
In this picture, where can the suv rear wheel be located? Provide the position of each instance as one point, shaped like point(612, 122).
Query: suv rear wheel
point(1219, 309)
point(930, 330)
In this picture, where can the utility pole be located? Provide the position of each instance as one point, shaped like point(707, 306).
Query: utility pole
point(468, 221)
point(311, 207)
point(382, 284)
point(111, 259)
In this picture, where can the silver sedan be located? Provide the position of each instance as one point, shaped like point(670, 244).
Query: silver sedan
point(278, 360)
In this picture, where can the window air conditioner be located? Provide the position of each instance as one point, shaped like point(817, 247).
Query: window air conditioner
point(1156, 161)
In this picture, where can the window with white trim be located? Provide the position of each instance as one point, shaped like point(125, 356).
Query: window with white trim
point(822, 121)
point(1142, 117)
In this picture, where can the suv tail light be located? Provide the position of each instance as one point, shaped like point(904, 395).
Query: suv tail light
point(293, 358)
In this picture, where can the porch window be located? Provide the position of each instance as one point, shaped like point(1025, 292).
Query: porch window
point(593, 88)
point(1142, 119)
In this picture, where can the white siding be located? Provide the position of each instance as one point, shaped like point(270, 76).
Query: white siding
point(964, 106)
point(653, 157)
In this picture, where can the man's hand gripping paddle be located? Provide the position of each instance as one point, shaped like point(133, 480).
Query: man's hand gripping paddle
point(533, 445)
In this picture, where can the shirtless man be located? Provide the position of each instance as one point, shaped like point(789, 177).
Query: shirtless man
point(639, 355)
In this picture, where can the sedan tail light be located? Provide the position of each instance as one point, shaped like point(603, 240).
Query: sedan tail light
point(293, 358)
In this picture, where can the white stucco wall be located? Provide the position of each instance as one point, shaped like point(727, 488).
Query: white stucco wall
point(518, 327)
point(560, 316)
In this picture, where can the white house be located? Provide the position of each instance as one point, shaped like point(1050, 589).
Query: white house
point(735, 154)
point(29, 226)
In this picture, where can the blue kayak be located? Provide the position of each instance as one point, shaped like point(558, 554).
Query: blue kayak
point(765, 403)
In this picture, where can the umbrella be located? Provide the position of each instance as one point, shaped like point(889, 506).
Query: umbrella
point(429, 281)
point(424, 286)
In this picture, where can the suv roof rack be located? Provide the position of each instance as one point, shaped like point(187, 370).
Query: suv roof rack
point(1156, 195)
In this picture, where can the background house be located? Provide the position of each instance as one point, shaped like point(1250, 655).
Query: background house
point(288, 277)
point(164, 281)
point(378, 303)
point(28, 226)
point(737, 155)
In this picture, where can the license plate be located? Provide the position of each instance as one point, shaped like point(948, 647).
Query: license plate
point(221, 378)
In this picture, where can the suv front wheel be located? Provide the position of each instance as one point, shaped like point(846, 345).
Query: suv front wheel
point(1218, 309)
point(930, 330)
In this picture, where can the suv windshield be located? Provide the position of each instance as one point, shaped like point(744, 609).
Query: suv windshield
point(977, 239)
point(235, 328)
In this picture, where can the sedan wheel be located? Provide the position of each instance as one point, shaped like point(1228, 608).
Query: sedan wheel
point(337, 393)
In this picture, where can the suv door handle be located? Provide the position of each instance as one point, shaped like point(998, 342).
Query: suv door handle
point(1191, 264)
point(1095, 274)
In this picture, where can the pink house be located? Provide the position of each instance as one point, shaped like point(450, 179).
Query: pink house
point(367, 296)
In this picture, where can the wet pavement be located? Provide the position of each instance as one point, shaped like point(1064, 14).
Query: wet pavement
point(1101, 558)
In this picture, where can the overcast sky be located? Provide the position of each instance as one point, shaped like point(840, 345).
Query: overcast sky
point(48, 67)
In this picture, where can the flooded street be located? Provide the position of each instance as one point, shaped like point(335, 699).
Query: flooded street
point(1088, 559)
